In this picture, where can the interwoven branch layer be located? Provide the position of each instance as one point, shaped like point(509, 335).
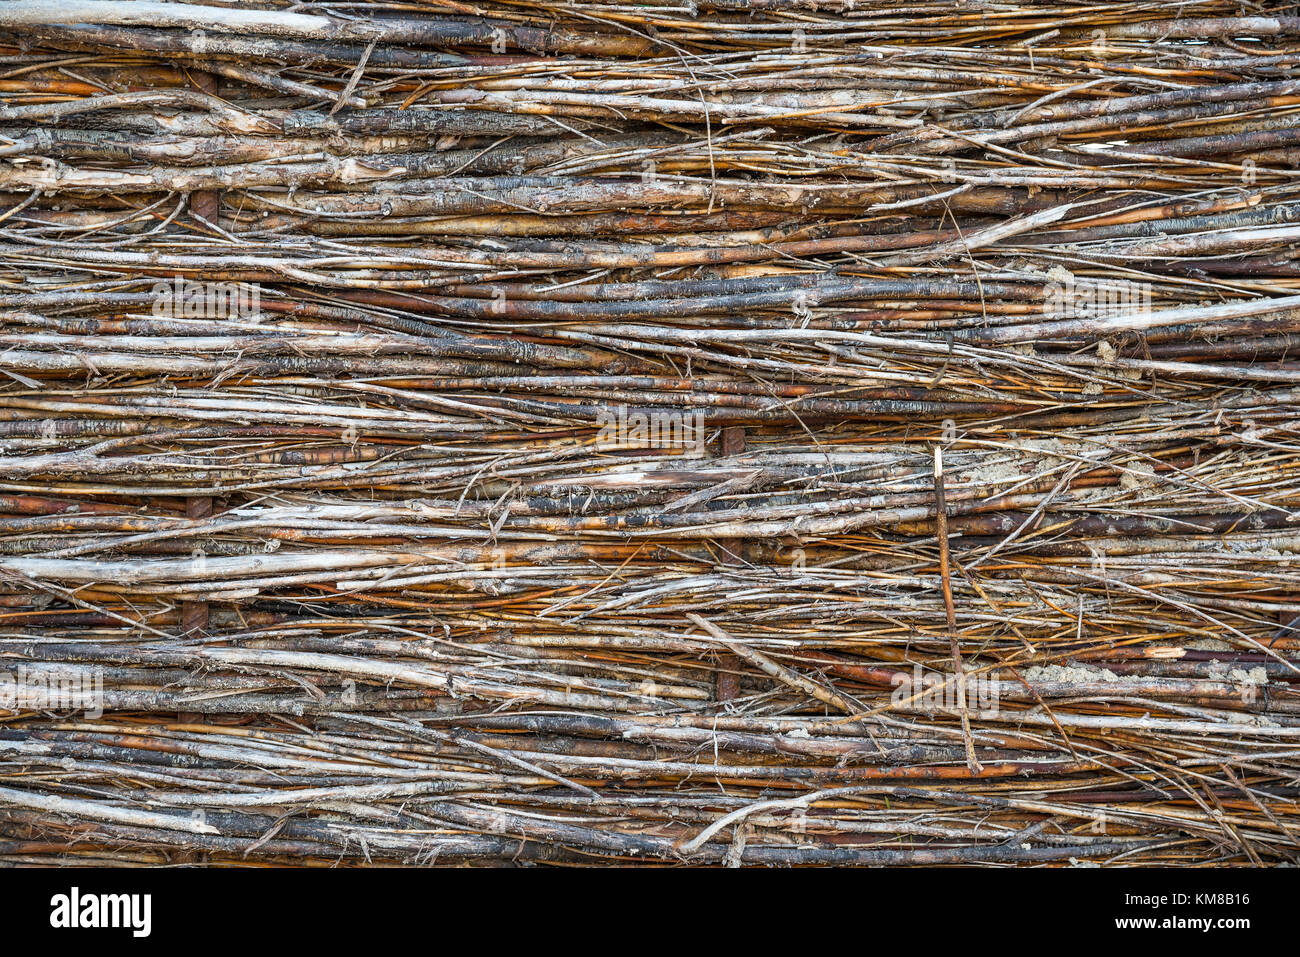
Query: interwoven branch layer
point(489, 432)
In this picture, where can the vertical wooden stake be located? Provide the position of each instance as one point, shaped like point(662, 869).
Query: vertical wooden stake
point(205, 203)
point(945, 577)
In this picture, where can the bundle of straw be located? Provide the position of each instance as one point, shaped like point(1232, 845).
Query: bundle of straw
point(726, 431)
